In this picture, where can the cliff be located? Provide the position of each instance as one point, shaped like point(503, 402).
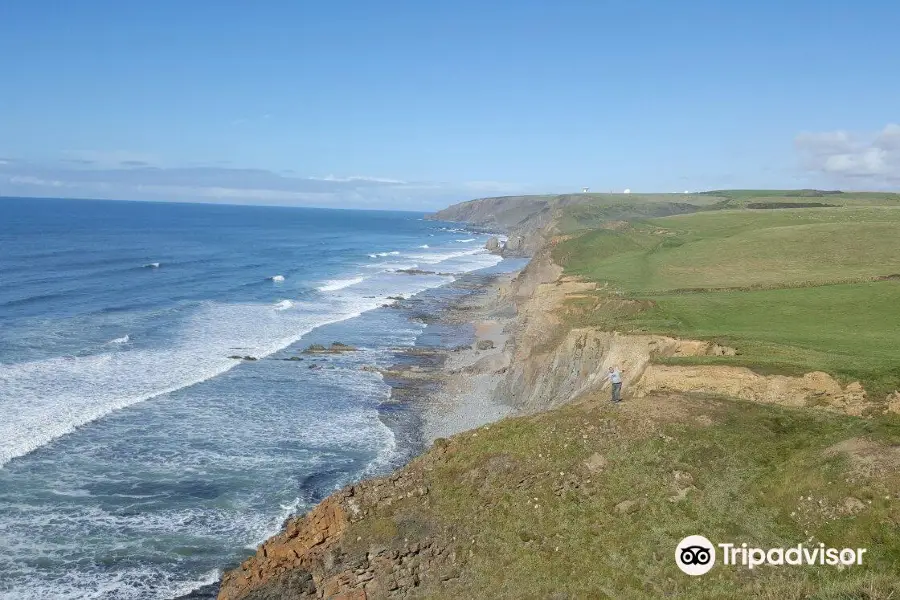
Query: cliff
point(516, 495)
point(531, 220)
point(577, 498)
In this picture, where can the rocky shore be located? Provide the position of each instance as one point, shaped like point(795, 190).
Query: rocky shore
point(425, 532)
point(407, 536)
point(454, 390)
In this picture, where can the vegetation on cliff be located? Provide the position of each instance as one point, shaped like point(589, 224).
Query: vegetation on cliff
point(794, 290)
point(589, 500)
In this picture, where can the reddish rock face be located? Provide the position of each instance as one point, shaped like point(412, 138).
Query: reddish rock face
point(318, 555)
point(301, 547)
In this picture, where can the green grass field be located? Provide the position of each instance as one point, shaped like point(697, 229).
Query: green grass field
point(581, 212)
point(535, 504)
point(590, 500)
point(794, 290)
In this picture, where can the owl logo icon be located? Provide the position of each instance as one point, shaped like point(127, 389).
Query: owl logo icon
point(695, 555)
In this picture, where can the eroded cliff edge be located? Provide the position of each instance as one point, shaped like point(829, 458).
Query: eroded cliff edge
point(436, 527)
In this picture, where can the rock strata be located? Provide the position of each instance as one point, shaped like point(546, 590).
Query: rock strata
point(314, 557)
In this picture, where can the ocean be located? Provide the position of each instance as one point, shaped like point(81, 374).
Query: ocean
point(137, 459)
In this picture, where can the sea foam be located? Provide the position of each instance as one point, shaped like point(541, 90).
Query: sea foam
point(52, 397)
point(332, 285)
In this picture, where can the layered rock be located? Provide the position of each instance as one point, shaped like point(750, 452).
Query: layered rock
point(323, 555)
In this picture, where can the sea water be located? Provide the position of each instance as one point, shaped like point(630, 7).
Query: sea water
point(137, 457)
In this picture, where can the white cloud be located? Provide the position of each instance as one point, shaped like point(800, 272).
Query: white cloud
point(224, 193)
point(873, 158)
point(132, 179)
point(110, 159)
point(36, 181)
point(358, 178)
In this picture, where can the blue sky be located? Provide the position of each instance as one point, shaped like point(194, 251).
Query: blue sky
point(412, 104)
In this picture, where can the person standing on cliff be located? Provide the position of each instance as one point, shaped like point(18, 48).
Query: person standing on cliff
point(615, 378)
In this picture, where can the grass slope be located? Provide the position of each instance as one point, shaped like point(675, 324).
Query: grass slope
point(794, 290)
point(535, 504)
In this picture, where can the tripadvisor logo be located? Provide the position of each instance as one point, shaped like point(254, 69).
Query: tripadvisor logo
point(696, 555)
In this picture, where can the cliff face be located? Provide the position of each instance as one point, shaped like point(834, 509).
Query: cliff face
point(503, 212)
point(529, 220)
point(523, 218)
point(349, 546)
point(424, 532)
point(552, 365)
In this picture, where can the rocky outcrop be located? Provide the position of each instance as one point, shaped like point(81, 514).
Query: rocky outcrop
point(524, 218)
point(323, 554)
point(290, 558)
point(335, 348)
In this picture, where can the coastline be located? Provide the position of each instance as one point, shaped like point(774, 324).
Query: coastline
point(454, 387)
point(424, 531)
point(448, 390)
point(445, 383)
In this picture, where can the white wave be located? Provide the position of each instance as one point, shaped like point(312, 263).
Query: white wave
point(284, 305)
point(392, 266)
point(153, 265)
point(120, 340)
point(332, 285)
point(438, 257)
point(49, 398)
point(277, 278)
point(424, 246)
point(211, 577)
point(465, 241)
point(383, 254)
point(123, 584)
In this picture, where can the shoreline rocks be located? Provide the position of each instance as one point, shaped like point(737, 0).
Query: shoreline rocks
point(335, 348)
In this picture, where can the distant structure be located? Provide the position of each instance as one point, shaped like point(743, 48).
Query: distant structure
point(687, 192)
point(627, 191)
point(585, 190)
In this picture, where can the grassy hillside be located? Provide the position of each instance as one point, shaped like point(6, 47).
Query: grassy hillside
point(590, 501)
point(794, 290)
point(582, 212)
